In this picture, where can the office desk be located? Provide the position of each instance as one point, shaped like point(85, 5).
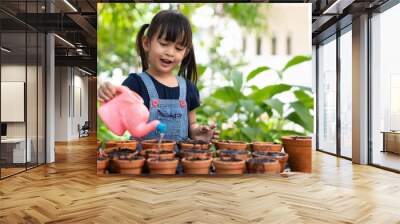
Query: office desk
point(16, 147)
point(391, 141)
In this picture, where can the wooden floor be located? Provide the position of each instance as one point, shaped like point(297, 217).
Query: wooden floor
point(69, 191)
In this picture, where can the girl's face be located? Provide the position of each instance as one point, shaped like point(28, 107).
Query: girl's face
point(162, 55)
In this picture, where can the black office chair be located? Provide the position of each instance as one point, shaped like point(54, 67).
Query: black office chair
point(84, 130)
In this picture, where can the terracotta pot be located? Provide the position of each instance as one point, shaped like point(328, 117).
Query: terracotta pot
point(122, 154)
point(192, 154)
point(229, 167)
point(263, 165)
point(299, 150)
point(161, 166)
point(113, 145)
point(102, 164)
point(160, 154)
point(266, 147)
point(194, 144)
point(196, 166)
point(280, 156)
point(130, 166)
point(225, 155)
point(153, 144)
point(233, 145)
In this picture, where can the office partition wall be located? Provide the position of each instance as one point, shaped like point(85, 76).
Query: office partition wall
point(22, 76)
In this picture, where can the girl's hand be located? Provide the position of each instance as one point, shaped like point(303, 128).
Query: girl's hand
point(204, 133)
point(106, 92)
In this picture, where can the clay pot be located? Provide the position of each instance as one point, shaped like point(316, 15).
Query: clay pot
point(102, 164)
point(196, 166)
point(121, 153)
point(280, 156)
point(266, 147)
point(195, 144)
point(162, 166)
point(160, 154)
point(193, 154)
point(130, 165)
point(153, 144)
point(263, 165)
point(225, 154)
point(233, 145)
point(230, 166)
point(299, 150)
point(113, 145)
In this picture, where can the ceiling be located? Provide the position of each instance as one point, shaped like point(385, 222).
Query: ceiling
point(74, 22)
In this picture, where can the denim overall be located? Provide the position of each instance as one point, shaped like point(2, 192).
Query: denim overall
point(172, 112)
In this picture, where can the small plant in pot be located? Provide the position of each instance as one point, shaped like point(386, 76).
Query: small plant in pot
point(194, 144)
point(280, 156)
point(233, 145)
point(197, 161)
point(263, 165)
point(162, 166)
point(231, 166)
point(266, 147)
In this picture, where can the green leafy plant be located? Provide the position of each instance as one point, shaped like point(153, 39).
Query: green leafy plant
point(259, 115)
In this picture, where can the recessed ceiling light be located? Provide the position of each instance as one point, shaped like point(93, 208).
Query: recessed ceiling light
point(70, 5)
point(5, 50)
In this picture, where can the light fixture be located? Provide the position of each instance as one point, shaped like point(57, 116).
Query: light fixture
point(5, 50)
point(70, 5)
point(64, 40)
point(337, 7)
point(84, 71)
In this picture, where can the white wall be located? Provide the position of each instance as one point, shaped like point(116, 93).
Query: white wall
point(71, 94)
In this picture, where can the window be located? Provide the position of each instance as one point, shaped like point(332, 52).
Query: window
point(385, 89)
point(346, 94)
point(288, 45)
point(327, 96)
point(258, 42)
point(273, 45)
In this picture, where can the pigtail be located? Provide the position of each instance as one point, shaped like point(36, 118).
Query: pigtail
point(188, 67)
point(139, 47)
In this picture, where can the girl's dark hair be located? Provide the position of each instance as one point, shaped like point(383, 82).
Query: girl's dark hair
point(175, 27)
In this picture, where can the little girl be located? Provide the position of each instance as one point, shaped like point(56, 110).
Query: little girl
point(169, 98)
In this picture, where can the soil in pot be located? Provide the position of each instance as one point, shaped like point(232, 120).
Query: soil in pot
point(233, 145)
point(131, 165)
point(229, 166)
point(194, 144)
point(162, 166)
point(225, 154)
point(196, 166)
point(122, 153)
point(154, 144)
point(263, 165)
point(102, 164)
point(280, 156)
point(192, 154)
point(299, 150)
point(266, 147)
point(112, 145)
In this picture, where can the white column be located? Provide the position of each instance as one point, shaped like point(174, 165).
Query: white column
point(360, 90)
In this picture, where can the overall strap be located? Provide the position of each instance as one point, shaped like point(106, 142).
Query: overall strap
point(182, 88)
point(151, 89)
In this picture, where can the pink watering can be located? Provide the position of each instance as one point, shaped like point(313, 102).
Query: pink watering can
point(127, 111)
